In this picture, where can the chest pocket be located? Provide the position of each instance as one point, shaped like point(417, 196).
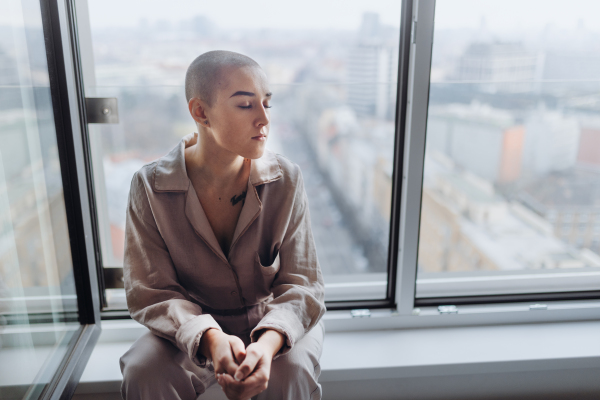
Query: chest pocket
point(268, 269)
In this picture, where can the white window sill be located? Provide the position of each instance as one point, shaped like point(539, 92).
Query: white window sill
point(543, 359)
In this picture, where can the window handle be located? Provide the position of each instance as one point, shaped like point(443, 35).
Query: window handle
point(102, 110)
point(448, 310)
point(361, 313)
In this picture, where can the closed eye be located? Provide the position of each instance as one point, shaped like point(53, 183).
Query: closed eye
point(250, 106)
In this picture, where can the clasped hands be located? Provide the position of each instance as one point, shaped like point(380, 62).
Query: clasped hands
point(242, 372)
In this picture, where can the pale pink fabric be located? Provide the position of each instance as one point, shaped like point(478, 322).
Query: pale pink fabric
point(174, 266)
point(155, 369)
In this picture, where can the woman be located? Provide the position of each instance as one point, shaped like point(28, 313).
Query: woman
point(220, 261)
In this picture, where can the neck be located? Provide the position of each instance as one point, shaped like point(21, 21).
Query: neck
point(214, 165)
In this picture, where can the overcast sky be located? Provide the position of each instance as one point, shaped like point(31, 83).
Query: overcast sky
point(279, 14)
point(346, 14)
point(503, 15)
point(500, 15)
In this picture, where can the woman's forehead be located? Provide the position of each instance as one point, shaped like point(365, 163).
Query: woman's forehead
point(244, 79)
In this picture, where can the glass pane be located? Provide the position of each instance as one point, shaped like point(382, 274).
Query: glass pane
point(333, 74)
point(38, 303)
point(511, 192)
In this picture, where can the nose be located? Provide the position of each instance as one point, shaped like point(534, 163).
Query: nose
point(263, 117)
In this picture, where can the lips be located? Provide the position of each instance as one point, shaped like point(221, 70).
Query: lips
point(263, 134)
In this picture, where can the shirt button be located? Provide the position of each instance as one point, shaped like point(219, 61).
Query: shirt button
point(234, 293)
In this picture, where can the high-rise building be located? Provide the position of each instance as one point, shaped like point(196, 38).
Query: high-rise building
point(485, 141)
point(566, 64)
point(570, 201)
point(551, 143)
point(373, 70)
point(467, 226)
point(500, 67)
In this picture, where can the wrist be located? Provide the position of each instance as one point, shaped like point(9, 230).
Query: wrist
point(208, 341)
point(272, 340)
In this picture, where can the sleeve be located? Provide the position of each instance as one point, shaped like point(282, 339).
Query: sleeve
point(298, 289)
point(155, 298)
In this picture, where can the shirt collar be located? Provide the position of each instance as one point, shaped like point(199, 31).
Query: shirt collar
point(170, 174)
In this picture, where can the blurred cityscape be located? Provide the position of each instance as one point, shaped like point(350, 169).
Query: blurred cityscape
point(512, 141)
point(512, 162)
point(333, 113)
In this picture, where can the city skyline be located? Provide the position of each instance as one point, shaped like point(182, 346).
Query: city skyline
point(343, 137)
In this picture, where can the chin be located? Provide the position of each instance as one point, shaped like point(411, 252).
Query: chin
point(255, 153)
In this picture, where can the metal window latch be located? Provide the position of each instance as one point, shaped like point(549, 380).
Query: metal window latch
point(101, 110)
point(448, 310)
point(535, 307)
point(413, 31)
point(362, 313)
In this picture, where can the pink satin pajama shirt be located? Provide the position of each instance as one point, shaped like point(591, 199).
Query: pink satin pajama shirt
point(178, 281)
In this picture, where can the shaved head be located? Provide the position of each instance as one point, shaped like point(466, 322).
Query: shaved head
point(203, 74)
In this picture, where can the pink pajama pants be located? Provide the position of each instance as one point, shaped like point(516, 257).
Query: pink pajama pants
point(153, 368)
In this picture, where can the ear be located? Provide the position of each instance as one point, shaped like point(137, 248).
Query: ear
point(197, 109)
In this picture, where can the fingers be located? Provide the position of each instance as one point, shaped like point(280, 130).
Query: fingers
point(230, 386)
point(258, 379)
point(249, 363)
point(228, 364)
point(224, 360)
point(238, 349)
point(252, 386)
point(227, 380)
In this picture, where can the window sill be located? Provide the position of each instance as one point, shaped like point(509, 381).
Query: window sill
point(549, 360)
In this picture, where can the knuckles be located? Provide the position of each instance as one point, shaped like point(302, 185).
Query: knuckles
point(254, 351)
point(245, 369)
point(222, 360)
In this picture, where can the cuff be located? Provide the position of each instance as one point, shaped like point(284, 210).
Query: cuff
point(189, 335)
point(284, 322)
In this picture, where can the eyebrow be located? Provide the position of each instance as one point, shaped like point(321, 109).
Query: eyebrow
point(242, 93)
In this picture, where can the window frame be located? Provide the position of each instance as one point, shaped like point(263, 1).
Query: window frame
point(401, 308)
point(398, 176)
point(60, 373)
point(417, 104)
point(110, 277)
point(63, 70)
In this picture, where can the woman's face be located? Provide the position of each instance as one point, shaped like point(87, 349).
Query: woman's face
point(239, 117)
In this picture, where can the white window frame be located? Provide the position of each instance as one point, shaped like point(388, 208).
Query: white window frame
point(405, 314)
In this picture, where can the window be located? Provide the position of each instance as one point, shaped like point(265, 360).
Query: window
point(447, 159)
point(506, 185)
point(47, 308)
point(334, 79)
point(510, 145)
